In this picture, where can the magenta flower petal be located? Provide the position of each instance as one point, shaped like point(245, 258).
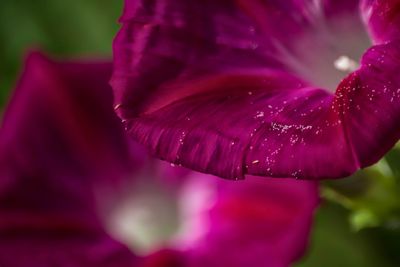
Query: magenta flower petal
point(255, 222)
point(63, 249)
point(232, 141)
point(217, 87)
point(369, 101)
point(258, 223)
point(383, 19)
point(54, 103)
point(164, 258)
point(59, 136)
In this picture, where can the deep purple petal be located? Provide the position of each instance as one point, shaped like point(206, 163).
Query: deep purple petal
point(369, 103)
point(59, 136)
point(232, 103)
point(260, 126)
point(382, 18)
point(161, 41)
point(59, 119)
point(59, 131)
point(230, 133)
point(164, 258)
point(43, 249)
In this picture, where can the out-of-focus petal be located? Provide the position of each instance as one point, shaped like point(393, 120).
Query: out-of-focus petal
point(164, 258)
point(46, 249)
point(59, 137)
point(255, 222)
point(258, 223)
point(193, 93)
point(56, 136)
point(382, 18)
point(59, 120)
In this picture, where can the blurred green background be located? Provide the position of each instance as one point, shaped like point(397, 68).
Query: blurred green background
point(65, 28)
point(358, 224)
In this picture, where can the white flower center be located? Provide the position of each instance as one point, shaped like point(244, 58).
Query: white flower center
point(329, 51)
point(345, 64)
point(150, 216)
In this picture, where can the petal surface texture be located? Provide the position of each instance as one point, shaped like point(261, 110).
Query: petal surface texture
point(59, 137)
point(219, 87)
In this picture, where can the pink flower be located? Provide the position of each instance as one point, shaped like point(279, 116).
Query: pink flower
point(261, 87)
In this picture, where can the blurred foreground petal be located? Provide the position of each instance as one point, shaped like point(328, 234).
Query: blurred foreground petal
point(59, 137)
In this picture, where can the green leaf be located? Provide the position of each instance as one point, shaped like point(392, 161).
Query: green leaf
point(372, 195)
